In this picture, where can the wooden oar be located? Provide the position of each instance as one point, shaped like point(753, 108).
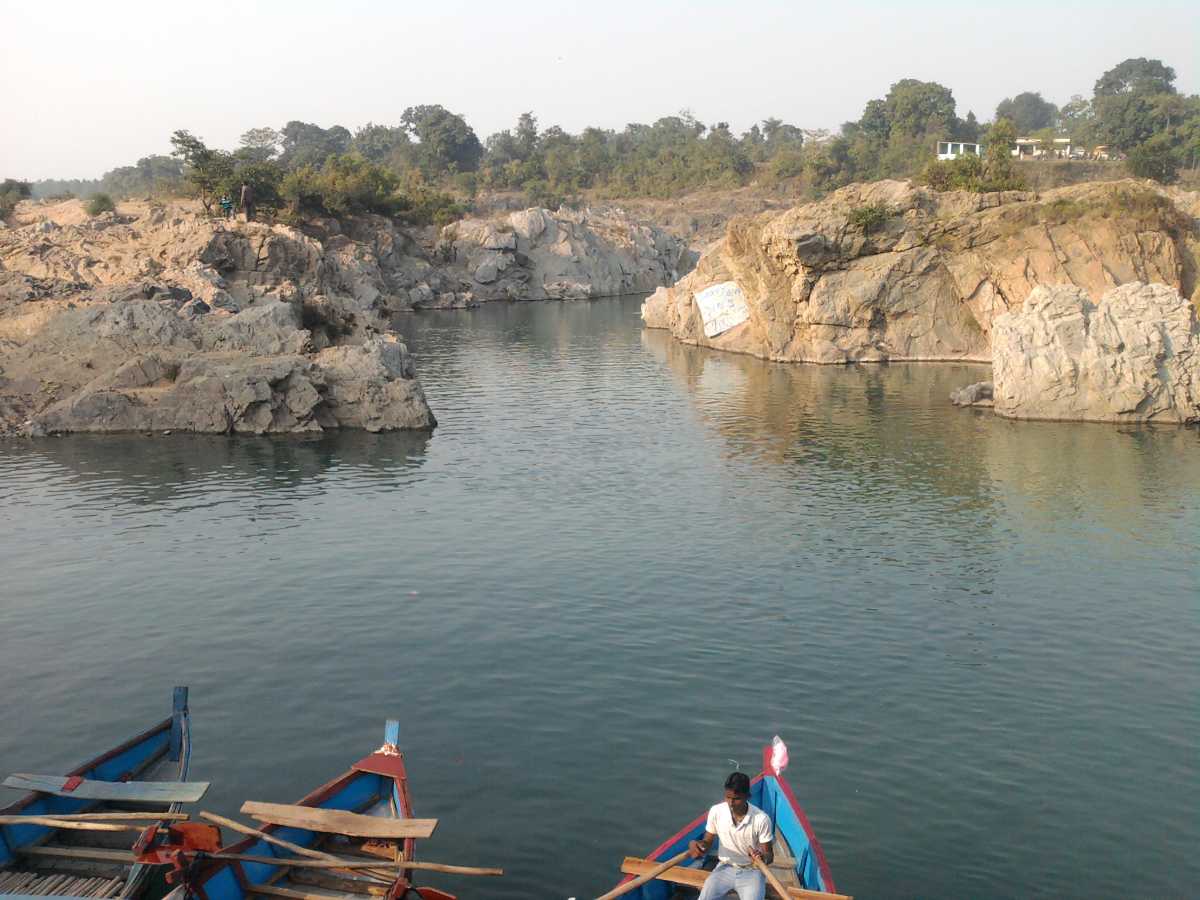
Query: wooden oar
point(628, 886)
point(233, 825)
point(771, 879)
point(55, 822)
point(339, 863)
point(336, 863)
point(329, 857)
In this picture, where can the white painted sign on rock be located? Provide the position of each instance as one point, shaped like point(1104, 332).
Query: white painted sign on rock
point(722, 307)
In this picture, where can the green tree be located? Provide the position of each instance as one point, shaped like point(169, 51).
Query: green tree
point(346, 184)
point(970, 129)
point(999, 173)
point(1154, 159)
point(447, 142)
point(1028, 112)
point(1136, 76)
point(13, 192)
point(920, 109)
point(379, 143)
point(1075, 118)
point(260, 144)
point(204, 169)
point(306, 144)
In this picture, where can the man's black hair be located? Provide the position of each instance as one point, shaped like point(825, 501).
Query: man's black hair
point(739, 783)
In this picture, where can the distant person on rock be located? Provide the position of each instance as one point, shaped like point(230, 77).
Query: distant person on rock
point(226, 207)
point(745, 834)
point(247, 201)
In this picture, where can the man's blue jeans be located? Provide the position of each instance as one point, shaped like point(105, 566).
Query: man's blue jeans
point(749, 883)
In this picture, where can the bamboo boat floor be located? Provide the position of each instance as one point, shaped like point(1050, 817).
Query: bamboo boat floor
point(51, 884)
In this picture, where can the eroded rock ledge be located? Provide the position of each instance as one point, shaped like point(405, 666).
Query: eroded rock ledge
point(890, 271)
point(1134, 356)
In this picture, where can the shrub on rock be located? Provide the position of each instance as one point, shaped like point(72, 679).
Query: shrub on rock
point(99, 203)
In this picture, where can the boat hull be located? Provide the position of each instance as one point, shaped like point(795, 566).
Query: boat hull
point(161, 753)
point(357, 791)
point(771, 793)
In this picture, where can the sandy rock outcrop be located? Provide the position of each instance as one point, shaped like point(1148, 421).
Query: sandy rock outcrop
point(159, 318)
point(891, 271)
point(536, 254)
point(1134, 356)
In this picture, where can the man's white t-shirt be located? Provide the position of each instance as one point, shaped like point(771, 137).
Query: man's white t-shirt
point(738, 840)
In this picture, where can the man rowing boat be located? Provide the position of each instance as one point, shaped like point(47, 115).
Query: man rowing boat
point(745, 834)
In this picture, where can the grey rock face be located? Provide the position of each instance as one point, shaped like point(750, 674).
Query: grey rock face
point(158, 322)
point(1134, 356)
point(536, 254)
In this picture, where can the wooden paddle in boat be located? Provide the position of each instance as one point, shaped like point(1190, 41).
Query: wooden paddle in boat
point(628, 886)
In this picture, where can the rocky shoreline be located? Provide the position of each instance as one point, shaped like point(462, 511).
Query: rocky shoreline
point(893, 272)
point(159, 318)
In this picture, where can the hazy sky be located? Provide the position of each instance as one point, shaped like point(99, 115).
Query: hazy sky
point(89, 86)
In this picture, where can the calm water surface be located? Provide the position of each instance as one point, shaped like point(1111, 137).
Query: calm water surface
point(620, 563)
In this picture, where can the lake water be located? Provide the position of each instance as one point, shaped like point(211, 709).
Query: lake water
point(619, 564)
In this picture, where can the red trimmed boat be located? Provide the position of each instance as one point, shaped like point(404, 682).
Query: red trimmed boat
point(376, 786)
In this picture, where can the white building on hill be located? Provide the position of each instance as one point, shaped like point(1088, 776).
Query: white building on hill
point(955, 149)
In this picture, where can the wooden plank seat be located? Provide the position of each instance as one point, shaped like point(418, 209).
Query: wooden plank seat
point(695, 878)
point(118, 791)
point(42, 884)
point(337, 821)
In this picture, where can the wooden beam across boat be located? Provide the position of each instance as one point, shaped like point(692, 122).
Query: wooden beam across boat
point(149, 817)
point(69, 824)
point(337, 821)
point(117, 791)
point(695, 878)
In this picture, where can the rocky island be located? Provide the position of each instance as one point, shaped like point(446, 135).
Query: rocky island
point(893, 272)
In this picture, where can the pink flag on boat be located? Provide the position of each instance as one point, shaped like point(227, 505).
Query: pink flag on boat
point(779, 754)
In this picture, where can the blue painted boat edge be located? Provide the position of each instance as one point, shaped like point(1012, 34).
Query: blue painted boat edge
point(179, 712)
point(179, 747)
point(824, 876)
point(120, 762)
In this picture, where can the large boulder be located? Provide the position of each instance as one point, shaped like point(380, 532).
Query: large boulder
point(1132, 357)
point(536, 254)
point(891, 271)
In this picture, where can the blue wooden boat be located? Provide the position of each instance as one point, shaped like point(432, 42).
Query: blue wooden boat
point(375, 786)
point(131, 784)
point(799, 863)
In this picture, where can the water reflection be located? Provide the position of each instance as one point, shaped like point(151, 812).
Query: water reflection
point(136, 469)
point(866, 423)
point(894, 422)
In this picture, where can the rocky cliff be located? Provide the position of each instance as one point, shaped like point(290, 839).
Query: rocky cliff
point(890, 271)
point(159, 318)
point(537, 254)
